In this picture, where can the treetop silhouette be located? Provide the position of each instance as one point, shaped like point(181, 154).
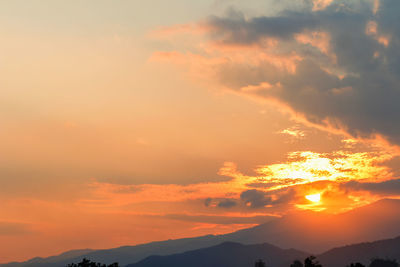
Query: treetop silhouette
point(87, 263)
point(311, 262)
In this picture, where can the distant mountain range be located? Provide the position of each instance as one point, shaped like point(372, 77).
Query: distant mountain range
point(53, 260)
point(363, 253)
point(309, 231)
point(317, 232)
point(237, 255)
point(227, 254)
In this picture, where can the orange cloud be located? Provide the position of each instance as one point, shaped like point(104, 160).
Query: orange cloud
point(205, 67)
point(321, 4)
point(294, 132)
point(376, 6)
point(302, 172)
point(371, 29)
point(266, 60)
point(319, 40)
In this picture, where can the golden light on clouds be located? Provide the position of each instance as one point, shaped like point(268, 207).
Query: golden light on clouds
point(294, 132)
point(319, 40)
point(307, 166)
point(303, 178)
point(314, 203)
point(321, 4)
point(314, 198)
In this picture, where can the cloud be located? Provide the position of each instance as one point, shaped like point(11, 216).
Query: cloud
point(227, 203)
point(294, 132)
point(220, 203)
point(334, 64)
point(236, 29)
point(274, 188)
point(207, 201)
point(255, 198)
point(321, 4)
point(386, 188)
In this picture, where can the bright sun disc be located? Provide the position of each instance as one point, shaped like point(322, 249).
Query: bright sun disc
point(314, 197)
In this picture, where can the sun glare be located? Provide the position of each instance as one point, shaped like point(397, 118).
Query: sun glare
point(314, 198)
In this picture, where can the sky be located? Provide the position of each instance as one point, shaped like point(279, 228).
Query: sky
point(125, 122)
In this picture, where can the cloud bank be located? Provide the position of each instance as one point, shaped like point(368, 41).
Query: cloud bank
point(336, 63)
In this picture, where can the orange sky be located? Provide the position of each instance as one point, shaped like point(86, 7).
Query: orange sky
point(122, 124)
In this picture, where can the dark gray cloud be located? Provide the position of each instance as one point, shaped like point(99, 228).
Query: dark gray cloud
point(226, 203)
point(220, 202)
point(236, 29)
point(255, 198)
point(387, 188)
point(259, 199)
point(360, 89)
point(207, 201)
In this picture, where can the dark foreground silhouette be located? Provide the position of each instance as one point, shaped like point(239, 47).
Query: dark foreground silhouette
point(308, 262)
point(87, 263)
point(312, 262)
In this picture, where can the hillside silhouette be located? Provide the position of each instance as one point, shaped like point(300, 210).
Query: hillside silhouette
point(318, 232)
point(227, 254)
point(237, 255)
point(385, 249)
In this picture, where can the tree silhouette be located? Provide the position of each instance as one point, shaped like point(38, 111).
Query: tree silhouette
point(311, 262)
point(87, 263)
point(383, 263)
point(259, 263)
point(296, 263)
point(357, 264)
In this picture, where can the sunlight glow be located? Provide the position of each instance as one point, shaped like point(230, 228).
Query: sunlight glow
point(295, 181)
point(314, 198)
point(307, 166)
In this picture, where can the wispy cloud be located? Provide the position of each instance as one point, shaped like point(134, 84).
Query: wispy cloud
point(294, 132)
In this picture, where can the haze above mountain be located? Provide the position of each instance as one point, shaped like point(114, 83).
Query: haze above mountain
point(308, 231)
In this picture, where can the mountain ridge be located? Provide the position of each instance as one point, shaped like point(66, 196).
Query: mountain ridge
point(226, 254)
point(239, 255)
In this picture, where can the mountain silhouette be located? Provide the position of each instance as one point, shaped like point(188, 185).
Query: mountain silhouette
point(308, 231)
point(227, 254)
point(237, 255)
point(53, 260)
point(384, 249)
point(125, 254)
point(317, 232)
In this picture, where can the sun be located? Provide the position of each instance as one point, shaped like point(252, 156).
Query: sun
point(314, 198)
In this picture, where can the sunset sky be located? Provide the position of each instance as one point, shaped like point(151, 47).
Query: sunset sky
point(127, 121)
